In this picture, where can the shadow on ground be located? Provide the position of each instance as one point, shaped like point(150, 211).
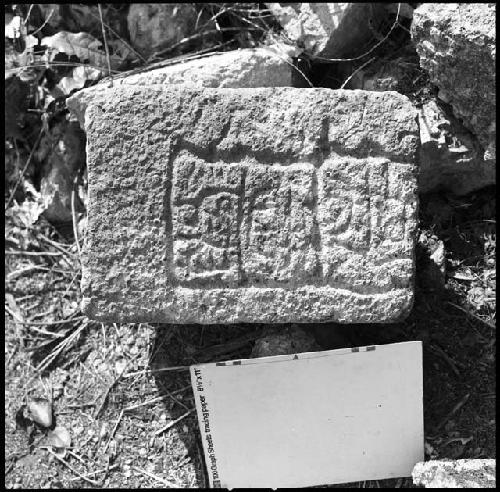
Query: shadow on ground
point(458, 347)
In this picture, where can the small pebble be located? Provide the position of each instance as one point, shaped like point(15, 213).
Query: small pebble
point(104, 431)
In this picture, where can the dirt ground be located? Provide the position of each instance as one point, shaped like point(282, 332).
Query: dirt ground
point(123, 391)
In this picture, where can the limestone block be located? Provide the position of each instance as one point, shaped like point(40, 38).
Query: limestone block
point(251, 67)
point(450, 156)
point(249, 205)
point(330, 30)
point(455, 474)
point(456, 43)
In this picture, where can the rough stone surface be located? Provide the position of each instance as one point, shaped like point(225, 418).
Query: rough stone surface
point(249, 205)
point(456, 43)
point(153, 26)
point(330, 30)
point(457, 474)
point(450, 156)
point(252, 67)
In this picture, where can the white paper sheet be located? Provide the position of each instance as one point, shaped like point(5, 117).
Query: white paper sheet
point(314, 418)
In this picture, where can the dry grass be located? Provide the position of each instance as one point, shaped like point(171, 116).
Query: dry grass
point(123, 390)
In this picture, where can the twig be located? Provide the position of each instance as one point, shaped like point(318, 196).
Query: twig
point(95, 472)
point(113, 431)
point(22, 271)
point(76, 472)
point(356, 71)
point(25, 21)
point(164, 369)
point(44, 23)
point(56, 245)
point(32, 253)
point(56, 64)
point(107, 26)
point(154, 477)
point(50, 323)
point(455, 409)
point(111, 386)
point(21, 175)
point(45, 332)
point(369, 51)
point(475, 316)
point(105, 41)
point(66, 342)
point(224, 348)
point(155, 400)
point(437, 349)
point(174, 422)
point(73, 216)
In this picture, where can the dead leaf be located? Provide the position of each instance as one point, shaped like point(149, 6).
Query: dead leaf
point(80, 75)
point(25, 214)
point(81, 44)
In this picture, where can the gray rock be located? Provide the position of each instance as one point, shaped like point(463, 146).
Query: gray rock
point(450, 157)
point(456, 43)
point(330, 30)
point(270, 66)
point(249, 205)
point(456, 474)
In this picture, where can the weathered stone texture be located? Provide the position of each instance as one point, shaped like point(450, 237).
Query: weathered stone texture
point(252, 67)
point(455, 474)
point(330, 30)
point(456, 43)
point(249, 205)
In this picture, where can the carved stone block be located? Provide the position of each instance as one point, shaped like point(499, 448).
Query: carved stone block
point(249, 205)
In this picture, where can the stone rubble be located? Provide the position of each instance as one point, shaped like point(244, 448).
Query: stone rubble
point(270, 66)
point(456, 43)
point(329, 30)
point(456, 474)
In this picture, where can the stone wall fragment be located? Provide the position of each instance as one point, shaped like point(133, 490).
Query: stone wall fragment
point(330, 30)
point(456, 43)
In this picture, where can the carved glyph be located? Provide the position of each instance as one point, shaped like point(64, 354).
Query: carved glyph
point(236, 224)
